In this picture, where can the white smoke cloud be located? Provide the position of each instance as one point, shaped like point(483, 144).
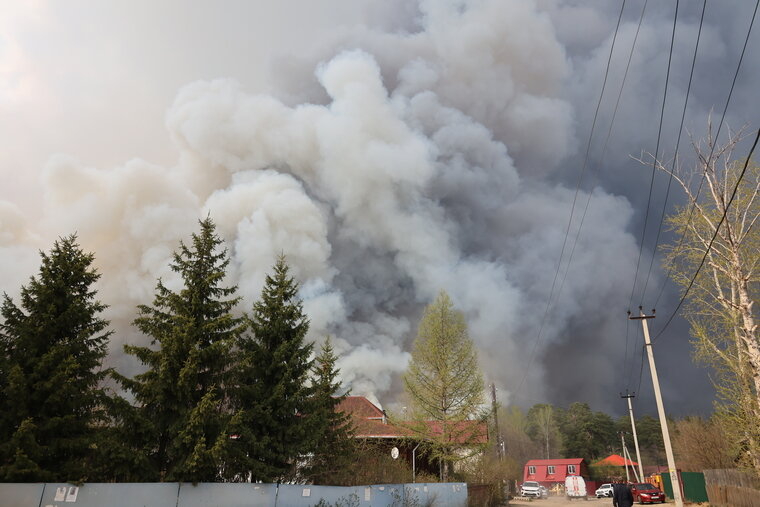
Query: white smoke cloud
point(18, 248)
point(421, 168)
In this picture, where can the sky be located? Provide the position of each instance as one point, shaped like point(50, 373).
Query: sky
point(390, 149)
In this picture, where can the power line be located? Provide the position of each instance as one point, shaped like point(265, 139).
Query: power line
point(675, 155)
point(656, 153)
point(604, 151)
point(572, 209)
point(715, 234)
point(604, 148)
point(712, 149)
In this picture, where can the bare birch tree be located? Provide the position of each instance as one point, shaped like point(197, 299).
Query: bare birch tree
point(720, 305)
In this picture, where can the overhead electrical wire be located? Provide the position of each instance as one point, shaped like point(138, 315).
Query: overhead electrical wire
point(656, 153)
point(675, 158)
point(715, 234)
point(572, 209)
point(604, 151)
point(712, 149)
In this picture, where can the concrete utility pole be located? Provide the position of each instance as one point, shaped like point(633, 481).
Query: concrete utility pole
point(625, 465)
point(633, 426)
point(630, 460)
point(499, 444)
point(660, 409)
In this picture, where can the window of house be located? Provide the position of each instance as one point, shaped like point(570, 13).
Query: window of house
point(550, 469)
point(531, 470)
point(570, 469)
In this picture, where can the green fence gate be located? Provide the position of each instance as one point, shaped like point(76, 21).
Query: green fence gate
point(692, 486)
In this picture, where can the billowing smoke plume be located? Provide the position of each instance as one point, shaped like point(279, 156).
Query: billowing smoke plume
point(415, 163)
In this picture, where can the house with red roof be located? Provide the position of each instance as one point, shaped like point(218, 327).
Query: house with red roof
point(371, 423)
point(550, 472)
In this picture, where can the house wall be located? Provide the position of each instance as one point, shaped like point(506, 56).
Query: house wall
point(547, 480)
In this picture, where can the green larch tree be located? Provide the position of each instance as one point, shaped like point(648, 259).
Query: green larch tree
point(444, 384)
point(53, 344)
point(181, 418)
point(273, 394)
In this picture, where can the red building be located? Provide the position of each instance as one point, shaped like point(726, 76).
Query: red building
point(371, 424)
point(549, 472)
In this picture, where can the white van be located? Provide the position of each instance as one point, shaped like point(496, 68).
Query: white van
point(575, 487)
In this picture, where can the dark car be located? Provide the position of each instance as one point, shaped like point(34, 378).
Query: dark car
point(644, 492)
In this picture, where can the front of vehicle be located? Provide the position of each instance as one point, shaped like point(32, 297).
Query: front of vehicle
point(605, 490)
point(531, 488)
point(647, 493)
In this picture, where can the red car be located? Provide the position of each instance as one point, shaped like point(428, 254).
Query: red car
point(644, 492)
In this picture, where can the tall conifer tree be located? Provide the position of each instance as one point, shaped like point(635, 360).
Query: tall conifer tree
point(181, 398)
point(52, 345)
point(444, 383)
point(333, 452)
point(273, 394)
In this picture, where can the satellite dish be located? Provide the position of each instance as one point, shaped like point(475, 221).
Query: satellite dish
point(394, 453)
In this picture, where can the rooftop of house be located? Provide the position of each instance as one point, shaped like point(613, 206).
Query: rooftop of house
point(615, 460)
point(557, 461)
point(360, 407)
point(371, 422)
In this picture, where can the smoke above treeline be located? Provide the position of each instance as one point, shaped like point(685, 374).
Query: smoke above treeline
point(388, 166)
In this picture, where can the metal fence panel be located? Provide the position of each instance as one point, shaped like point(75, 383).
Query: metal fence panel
point(111, 495)
point(379, 495)
point(172, 494)
point(226, 495)
point(448, 494)
point(387, 494)
point(308, 495)
point(21, 495)
point(694, 487)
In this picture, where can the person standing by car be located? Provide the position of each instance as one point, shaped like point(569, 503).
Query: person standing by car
point(621, 495)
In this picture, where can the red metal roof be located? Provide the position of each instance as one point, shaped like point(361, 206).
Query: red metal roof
point(369, 422)
point(558, 461)
point(359, 406)
point(615, 460)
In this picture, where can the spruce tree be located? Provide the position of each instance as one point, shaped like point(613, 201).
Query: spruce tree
point(273, 393)
point(181, 415)
point(333, 453)
point(53, 345)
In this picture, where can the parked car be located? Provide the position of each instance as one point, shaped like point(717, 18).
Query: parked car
point(544, 491)
point(605, 490)
point(644, 492)
point(575, 487)
point(530, 488)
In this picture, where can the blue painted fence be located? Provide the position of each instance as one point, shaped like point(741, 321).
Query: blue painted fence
point(172, 494)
